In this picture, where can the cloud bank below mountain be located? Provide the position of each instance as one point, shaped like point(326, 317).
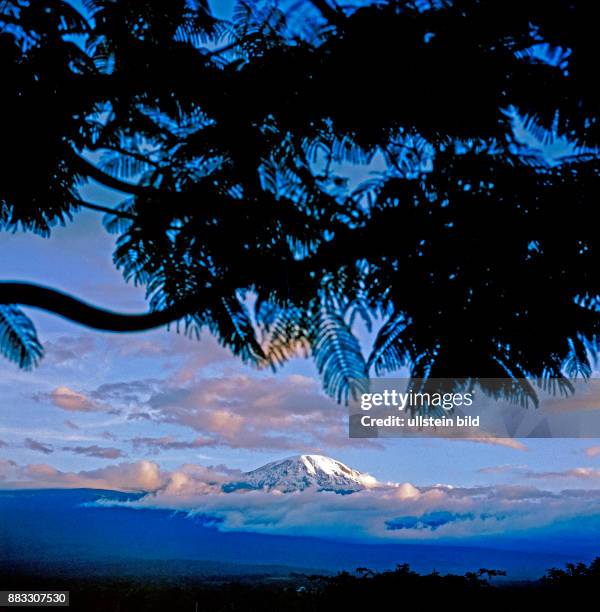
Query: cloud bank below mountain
point(377, 512)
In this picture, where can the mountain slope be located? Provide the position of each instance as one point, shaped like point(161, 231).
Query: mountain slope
point(303, 472)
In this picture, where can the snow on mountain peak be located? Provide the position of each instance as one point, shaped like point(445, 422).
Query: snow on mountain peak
point(302, 472)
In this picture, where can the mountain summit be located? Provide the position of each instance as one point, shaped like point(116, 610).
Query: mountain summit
point(303, 472)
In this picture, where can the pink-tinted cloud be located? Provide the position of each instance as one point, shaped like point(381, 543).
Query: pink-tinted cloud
point(66, 398)
point(592, 451)
point(137, 476)
point(506, 442)
point(235, 410)
point(243, 411)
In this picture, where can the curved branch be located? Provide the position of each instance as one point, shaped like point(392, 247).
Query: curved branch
point(133, 154)
point(78, 311)
point(88, 169)
point(220, 50)
point(106, 210)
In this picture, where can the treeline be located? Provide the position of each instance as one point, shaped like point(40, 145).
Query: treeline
point(364, 590)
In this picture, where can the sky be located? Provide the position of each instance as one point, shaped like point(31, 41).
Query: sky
point(98, 397)
point(137, 410)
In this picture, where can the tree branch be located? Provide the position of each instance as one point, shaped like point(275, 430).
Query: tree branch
point(106, 210)
point(78, 311)
point(220, 50)
point(133, 154)
point(88, 169)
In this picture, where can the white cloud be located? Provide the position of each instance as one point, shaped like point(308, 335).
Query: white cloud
point(396, 512)
point(389, 512)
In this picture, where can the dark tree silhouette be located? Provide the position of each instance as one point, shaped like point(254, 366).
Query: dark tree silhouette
point(233, 143)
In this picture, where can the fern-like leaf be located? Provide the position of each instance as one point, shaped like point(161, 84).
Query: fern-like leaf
point(577, 362)
point(285, 333)
point(18, 338)
point(337, 355)
point(230, 322)
point(122, 165)
point(388, 354)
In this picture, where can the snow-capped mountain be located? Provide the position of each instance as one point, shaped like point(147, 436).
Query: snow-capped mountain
point(302, 472)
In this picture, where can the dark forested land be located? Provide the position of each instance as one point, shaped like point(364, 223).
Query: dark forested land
point(484, 589)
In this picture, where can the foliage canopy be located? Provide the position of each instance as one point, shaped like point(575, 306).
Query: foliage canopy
point(237, 145)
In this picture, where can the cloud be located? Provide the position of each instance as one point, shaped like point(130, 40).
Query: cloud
point(3, 444)
point(583, 473)
point(388, 512)
point(576, 473)
point(132, 392)
point(39, 447)
point(254, 412)
point(67, 350)
point(102, 452)
point(506, 442)
point(136, 476)
point(166, 443)
point(433, 520)
point(66, 398)
point(500, 469)
point(8, 470)
point(592, 451)
point(192, 355)
point(236, 410)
